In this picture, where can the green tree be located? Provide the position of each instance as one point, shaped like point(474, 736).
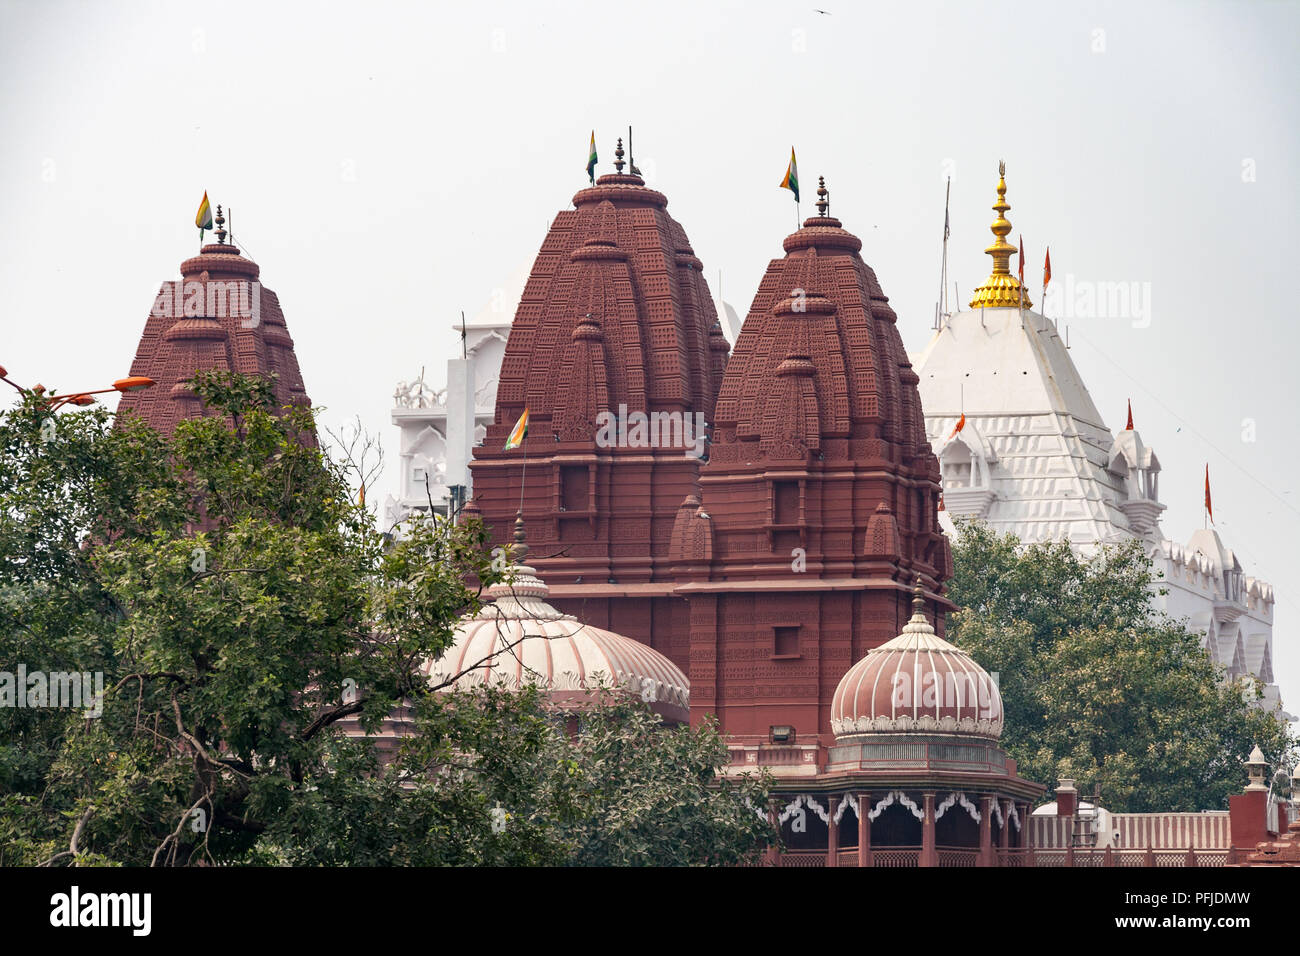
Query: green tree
point(1096, 685)
point(241, 605)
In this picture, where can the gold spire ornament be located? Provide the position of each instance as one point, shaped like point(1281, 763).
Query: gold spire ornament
point(1001, 290)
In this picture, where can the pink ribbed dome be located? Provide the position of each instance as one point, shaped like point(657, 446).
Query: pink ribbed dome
point(517, 638)
point(917, 683)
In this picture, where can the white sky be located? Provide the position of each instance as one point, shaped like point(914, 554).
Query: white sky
point(390, 164)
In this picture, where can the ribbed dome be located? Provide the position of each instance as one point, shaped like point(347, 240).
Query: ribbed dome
point(517, 637)
point(917, 683)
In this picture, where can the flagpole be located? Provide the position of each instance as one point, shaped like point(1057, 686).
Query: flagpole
point(1047, 277)
point(1020, 293)
point(523, 472)
point(943, 269)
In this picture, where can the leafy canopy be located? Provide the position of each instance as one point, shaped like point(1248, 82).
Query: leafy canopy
point(1096, 684)
point(250, 623)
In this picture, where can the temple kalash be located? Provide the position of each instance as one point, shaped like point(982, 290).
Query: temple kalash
point(752, 533)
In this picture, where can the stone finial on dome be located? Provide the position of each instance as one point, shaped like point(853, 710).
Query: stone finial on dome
point(221, 226)
point(823, 198)
point(520, 549)
point(618, 155)
point(1001, 289)
point(918, 600)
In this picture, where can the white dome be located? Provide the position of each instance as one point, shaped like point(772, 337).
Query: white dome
point(518, 638)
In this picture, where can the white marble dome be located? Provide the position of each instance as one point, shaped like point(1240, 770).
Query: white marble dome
point(517, 638)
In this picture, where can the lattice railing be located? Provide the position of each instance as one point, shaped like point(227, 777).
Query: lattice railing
point(909, 856)
point(895, 856)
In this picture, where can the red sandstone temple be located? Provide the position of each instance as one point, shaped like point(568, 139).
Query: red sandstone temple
point(773, 561)
point(763, 524)
point(218, 316)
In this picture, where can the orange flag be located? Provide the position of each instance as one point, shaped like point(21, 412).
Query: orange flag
point(1209, 509)
point(1022, 262)
point(961, 423)
point(1129, 426)
point(1047, 269)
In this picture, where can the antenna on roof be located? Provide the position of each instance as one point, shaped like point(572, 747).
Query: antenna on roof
point(942, 305)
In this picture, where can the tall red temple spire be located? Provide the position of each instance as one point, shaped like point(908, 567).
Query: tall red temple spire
point(617, 354)
point(218, 316)
point(820, 494)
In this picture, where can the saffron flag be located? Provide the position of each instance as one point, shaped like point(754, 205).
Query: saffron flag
point(1209, 509)
point(1129, 426)
point(518, 433)
point(961, 423)
point(591, 161)
point(1047, 270)
point(791, 181)
point(1021, 257)
point(204, 217)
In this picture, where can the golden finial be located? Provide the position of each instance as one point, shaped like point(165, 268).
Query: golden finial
point(823, 197)
point(1001, 289)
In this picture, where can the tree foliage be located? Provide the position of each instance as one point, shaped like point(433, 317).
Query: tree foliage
point(234, 594)
point(1096, 684)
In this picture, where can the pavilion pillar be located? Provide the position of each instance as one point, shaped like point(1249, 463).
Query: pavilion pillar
point(770, 857)
point(864, 830)
point(1022, 834)
point(1004, 836)
point(986, 857)
point(833, 834)
point(929, 855)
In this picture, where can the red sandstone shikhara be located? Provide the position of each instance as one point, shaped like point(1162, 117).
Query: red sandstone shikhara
point(786, 581)
point(176, 344)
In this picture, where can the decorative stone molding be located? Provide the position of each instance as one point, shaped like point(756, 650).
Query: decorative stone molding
point(957, 798)
point(845, 802)
point(899, 797)
point(806, 800)
point(982, 727)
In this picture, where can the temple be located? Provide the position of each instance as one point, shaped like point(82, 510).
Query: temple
point(617, 354)
point(218, 316)
point(816, 508)
point(1023, 448)
point(759, 535)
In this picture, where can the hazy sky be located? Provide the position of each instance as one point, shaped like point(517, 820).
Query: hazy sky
point(391, 164)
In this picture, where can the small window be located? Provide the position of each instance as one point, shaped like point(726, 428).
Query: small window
point(419, 476)
point(785, 642)
point(785, 502)
point(573, 487)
